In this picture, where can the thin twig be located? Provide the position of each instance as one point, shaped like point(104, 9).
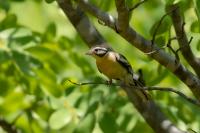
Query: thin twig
point(170, 47)
point(176, 51)
point(191, 38)
point(156, 30)
point(159, 23)
point(174, 91)
point(91, 83)
point(151, 88)
point(155, 51)
point(137, 5)
point(168, 43)
point(191, 130)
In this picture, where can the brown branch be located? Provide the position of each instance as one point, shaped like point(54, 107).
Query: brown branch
point(183, 40)
point(7, 126)
point(107, 19)
point(191, 38)
point(122, 22)
point(80, 21)
point(192, 81)
point(155, 51)
point(168, 45)
point(148, 109)
point(149, 88)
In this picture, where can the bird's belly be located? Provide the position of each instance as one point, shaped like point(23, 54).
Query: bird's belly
point(112, 70)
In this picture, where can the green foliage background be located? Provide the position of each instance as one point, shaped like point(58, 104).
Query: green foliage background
point(39, 50)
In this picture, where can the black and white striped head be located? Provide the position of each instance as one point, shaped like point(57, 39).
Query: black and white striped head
point(98, 51)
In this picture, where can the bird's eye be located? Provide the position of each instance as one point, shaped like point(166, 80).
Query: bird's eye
point(96, 50)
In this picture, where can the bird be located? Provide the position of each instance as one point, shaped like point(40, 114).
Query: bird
point(114, 65)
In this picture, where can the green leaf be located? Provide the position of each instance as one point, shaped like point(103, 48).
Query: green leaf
point(85, 66)
point(4, 4)
point(198, 45)
point(160, 41)
point(65, 43)
point(198, 4)
point(94, 101)
point(58, 63)
point(49, 1)
point(36, 125)
point(195, 27)
point(69, 90)
point(162, 73)
point(41, 52)
point(87, 124)
point(48, 82)
point(78, 102)
point(105, 4)
point(161, 28)
point(60, 118)
point(23, 39)
point(43, 110)
point(108, 124)
point(197, 9)
point(4, 56)
point(13, 102)
point(9, 22)
point(25, 62)
point(18, 0)
point(50, 33)
point(38, 1)
point(93, 107)
point(128, 121)
point(169, 2)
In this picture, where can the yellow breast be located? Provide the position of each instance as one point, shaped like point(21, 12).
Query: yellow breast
point(109, 66)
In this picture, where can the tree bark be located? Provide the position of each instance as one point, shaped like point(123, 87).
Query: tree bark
point(147, 108)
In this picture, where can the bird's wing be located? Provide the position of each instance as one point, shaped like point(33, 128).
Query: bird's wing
point(99, 69)
point(124, 63)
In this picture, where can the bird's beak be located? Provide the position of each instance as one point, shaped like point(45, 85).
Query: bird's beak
point(89, 52)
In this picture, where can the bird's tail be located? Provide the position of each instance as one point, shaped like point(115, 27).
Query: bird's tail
point(135, 82)
point(140, 88)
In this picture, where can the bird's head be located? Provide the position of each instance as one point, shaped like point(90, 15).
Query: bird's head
point(98, 52)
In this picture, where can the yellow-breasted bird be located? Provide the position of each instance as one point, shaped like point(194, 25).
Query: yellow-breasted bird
point(114, 65)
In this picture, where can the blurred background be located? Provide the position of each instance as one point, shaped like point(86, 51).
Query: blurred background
point(40, 50)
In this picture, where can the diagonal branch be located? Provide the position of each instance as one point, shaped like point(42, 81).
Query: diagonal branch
point(108, 20)
point(183, 40)
point(148, 109)
point(192, 81)
point(79, 20)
